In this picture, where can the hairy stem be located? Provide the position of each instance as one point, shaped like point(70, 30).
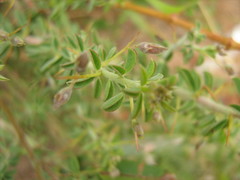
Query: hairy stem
point(207, 102)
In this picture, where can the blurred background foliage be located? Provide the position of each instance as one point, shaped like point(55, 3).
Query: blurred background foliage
point(80, 140)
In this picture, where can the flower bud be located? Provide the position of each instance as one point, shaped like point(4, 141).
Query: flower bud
point(62, 97)
point(138, 129)
point(221, 51)
point(17, 41)
point(82, 62)
point(3, 35)
point(229, 70)
point(151, 48)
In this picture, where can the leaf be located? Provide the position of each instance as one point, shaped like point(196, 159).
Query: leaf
point(111, 52)
point(187, 106)
point(113, 103)
point(191, 78)
point(216, 126)
point(73, 165)
point(200, 60)
point(72, 43)
point(157, 77)
point(96, 59)
point(98, 88)
point(237, 83)
point(109, 90)
point(208, 78)
point(83, 82)
point(168, 107)
point(134, 92)
point(137, 107)
point(131, 60)
point(151, 69)
point(50, 63)
point(143, 77)
point(119, 69)
point(235, 106)
point(80, 43)
point(2, 78)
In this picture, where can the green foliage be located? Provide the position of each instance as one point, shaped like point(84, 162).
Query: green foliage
point(105, 97)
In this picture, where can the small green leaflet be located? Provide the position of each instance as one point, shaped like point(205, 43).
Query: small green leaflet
point(111, 53)
point(131, 60)
point(50, 63)
point(143, 77)
point(98, 88)
point(208, 78)
point(237, 83)
point(119, 69)
point(113, 103)
point(134, 92)
point(80, 43)
point(137, 107)
point(109, 90)
point(2, 78)
point(83, 82)
point(96, 59)
point(191, 78)
point(73, 164)
point(151, 69)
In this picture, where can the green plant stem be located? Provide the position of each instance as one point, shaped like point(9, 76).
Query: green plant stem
point(207, 102)
point(119, 79)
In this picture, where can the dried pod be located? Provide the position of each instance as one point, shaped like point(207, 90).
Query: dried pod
point(82, 62)
point(221, 50)
point(138, 129)
point(151, 48)
point(229, 70)
point(17, 41)
point(3, 35)
point(62, 97)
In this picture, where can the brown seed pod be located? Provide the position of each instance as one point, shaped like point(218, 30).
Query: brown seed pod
point(151, 48)
point(62, 96)
point(82, 62)
point(17, 41)
point(229, 70)
point(221, 50)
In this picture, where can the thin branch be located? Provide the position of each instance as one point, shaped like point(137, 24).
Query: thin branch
point(228, 42)
point(22, 140)
point(207, 103)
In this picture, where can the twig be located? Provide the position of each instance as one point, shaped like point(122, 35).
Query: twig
point(22, 139)
point(207, 102)
point(228, 42)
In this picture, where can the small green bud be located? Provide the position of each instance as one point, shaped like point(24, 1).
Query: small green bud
point(17, 41)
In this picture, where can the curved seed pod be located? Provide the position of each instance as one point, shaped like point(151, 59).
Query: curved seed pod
point(82, 62)
point(3, 35)
point(62, 96)
point(229, 70)
point(221, 50)
point(151, 48)
point(17, 41)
